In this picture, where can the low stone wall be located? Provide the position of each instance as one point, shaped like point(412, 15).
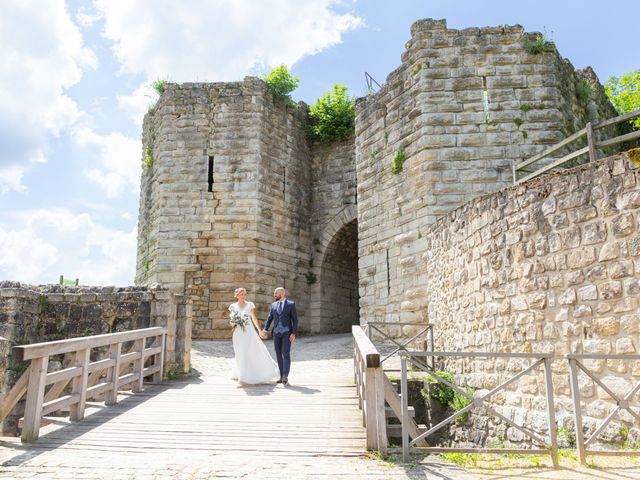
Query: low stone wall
point(31, 314)
point(549, 266)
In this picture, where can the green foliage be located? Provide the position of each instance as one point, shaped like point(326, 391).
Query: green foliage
point(43, 304)
point(311, 278)
point(567, 436)
point(399, 157)
point(459, 402)
point(441, 392)
point(539, 45)
point(447, 396)
point(624, 93)
point(634, 156)
point(281, 83)
point(17, 366)
point(461, 459)
point(518, 122)
point(160, 86)
point(332, 115)
point(584, 90)
point(148, 159)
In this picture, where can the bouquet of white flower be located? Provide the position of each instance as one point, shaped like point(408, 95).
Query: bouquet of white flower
point(238, 320)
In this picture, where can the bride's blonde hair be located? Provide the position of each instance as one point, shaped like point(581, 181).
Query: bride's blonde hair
point(238, 290)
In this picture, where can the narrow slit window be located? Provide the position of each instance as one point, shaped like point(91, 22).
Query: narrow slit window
point(388, 275)
point(485, 101)
point(284, 179)
point(210, 176)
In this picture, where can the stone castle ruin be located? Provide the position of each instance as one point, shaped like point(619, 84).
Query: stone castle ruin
point(237, 195)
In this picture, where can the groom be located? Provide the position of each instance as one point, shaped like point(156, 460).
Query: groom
point(285, 329)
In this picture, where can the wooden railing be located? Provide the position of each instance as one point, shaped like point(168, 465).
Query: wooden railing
point(369, 384)
point(591, 147)
point(375, 391)
point(88, 379)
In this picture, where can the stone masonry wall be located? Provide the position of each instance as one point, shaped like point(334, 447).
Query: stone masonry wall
point(552, 265)
point(30, 314)
point(463, 106)
point(253, 228)
point(333, 271)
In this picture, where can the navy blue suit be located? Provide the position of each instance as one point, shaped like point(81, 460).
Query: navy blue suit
point(284, 324)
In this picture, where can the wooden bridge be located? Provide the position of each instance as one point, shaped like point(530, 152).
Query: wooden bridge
point(203, 426)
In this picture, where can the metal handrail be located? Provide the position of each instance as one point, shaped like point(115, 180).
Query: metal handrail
point(543, 359)
point(622, 403)
point(370, 327)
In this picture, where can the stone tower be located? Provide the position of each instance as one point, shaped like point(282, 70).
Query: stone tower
point(235, 195)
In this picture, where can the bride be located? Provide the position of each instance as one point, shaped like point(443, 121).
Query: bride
point(253, 364)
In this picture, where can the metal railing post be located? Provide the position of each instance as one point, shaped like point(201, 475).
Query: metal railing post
point(577, 412)
point(553, 428)
point(404, 396)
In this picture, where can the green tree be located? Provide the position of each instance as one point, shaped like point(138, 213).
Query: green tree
point(282, 83)
point(332, 115)
point(624, 93)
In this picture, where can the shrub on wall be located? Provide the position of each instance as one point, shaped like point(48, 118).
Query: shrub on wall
point(281, 83)
point(332, 115)
point(624, 93)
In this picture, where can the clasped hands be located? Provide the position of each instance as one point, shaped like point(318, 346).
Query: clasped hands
point(264, 335)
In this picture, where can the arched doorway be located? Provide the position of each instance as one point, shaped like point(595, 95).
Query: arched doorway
point(339, 305)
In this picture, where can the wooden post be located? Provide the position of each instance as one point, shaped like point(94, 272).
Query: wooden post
point(138, 365)
point(113, 375)
point(158, 376)
point(381, 416)
point(370, 408)
point(35, 395)
point(577, 412)
point(79, 385)
point(404, 395)
point(591, 143)
point(553, 432)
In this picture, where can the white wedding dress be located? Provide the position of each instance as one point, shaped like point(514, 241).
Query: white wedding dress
point(253, 363)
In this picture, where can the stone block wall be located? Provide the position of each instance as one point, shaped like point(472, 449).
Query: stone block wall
point(33, 314)
point(333, 272)
point(227, 185)
point(272, 195)
point(550, 266)
point(463, 106)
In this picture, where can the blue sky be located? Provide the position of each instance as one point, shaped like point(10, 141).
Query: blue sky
point(74, 85)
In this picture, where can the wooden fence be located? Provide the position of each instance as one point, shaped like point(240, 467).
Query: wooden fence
point(88, 379)
point(591, 147)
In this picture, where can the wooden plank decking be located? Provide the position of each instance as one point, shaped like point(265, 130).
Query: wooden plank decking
point(204, 426)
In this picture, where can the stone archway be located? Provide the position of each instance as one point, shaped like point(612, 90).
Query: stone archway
point(334, 297)
point(339, 301)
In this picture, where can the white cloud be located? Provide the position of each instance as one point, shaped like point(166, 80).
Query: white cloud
point(41, 245)
point(215, 40)
point(42, 56)
point(138, 102)
point(86, 16)
point(119, 158)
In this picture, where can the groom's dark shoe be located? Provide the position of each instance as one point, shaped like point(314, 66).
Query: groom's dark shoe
point(279, 380)
point(285, 380)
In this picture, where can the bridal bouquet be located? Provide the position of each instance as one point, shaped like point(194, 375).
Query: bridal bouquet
point(238, 320)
